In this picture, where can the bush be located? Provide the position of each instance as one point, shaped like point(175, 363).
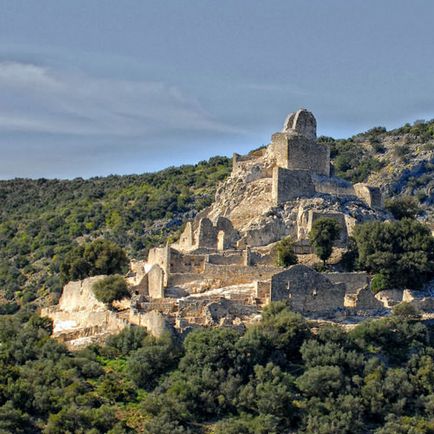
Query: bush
point(406, 310)
point(403, 207)
point(379, 283)
point(325, 231)
point(402, 151)
point(110, 289)
point(285, 253)
point(401, 251)
point(92, 259)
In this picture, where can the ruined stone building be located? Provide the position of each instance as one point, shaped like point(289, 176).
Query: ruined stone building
point(222, 269)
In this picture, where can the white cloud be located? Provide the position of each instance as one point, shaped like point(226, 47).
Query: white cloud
point(37, 99)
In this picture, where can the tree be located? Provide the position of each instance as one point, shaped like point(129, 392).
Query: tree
point(325, 231)
point(148, 363)
point(403, 207)
point(406, 310)
point(110, 289)
point(285, 253)
point(400, 252)
point(92, 259)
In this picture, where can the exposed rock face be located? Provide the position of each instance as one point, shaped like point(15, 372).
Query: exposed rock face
point(80, 319)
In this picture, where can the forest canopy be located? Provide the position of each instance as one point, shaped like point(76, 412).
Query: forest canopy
point(281, 375)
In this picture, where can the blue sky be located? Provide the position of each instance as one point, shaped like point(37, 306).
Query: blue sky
point(91, 87)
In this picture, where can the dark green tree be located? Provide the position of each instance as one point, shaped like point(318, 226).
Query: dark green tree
point(285, 255)
point(92, 259)
point(110, 288)
point(325, 231)
point(403, 207)
point(401, 252)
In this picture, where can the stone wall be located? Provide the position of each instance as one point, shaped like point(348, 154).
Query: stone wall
point(160, 256)
point(231, 257)
point(156, 282)
point(233, 274)
point(333, 186)
point(263, 291)
point(306, 219)
point(352, 281)
point(154, 322)
point(307, 290)
point(370, 195)
point(79, 318)
point(290, 184)
point(186, 263)
point(186, 240)
point(220, 235)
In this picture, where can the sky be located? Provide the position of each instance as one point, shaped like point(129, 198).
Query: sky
point(91, 87)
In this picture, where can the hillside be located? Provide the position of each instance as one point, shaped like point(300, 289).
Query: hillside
point(41, 220)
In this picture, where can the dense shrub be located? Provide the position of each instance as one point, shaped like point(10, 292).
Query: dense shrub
point(325, 231)
point(276, 377)
point(402, 252)
point(92, 259)
point(379, 283)
point(110, 288)
point(403, 207)
point(285, 255)
point(40, 220)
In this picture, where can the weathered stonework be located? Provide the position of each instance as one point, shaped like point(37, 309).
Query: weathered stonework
point(307, 290)
point(222, 269)
point(371, 195)
point(156, 281)
point(291, 184)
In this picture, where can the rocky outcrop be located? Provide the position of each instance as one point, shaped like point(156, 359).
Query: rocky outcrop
point(79, 318)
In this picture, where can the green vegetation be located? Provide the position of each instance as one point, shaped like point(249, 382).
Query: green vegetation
point(406, 310)
point(400, 253)
point(351, 160)
point(93, 259)
point(403, 207)
point(325, 231)
point(110, 288)
point(276, 377)
point(285, 255)
point(43, 221)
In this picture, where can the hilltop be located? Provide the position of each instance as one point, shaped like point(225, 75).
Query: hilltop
point(40, 220)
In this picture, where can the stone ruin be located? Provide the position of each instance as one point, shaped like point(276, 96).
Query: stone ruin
point(222, 270)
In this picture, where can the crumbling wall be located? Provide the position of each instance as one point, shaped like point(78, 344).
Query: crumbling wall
point(160, 256)
point(313, 216)
point(234, 274)
point(307, 290)
point(263, 291)
point(186, 263)
point(186, 239)
point(332, 185)
point(156, 282)
point(372, 196)
point(232, 257)
point(79, 318)
point(306, 219)
point(154, 322)
point(220, 236)
point(206, 234)
point(290, 184)
point(352, 281)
